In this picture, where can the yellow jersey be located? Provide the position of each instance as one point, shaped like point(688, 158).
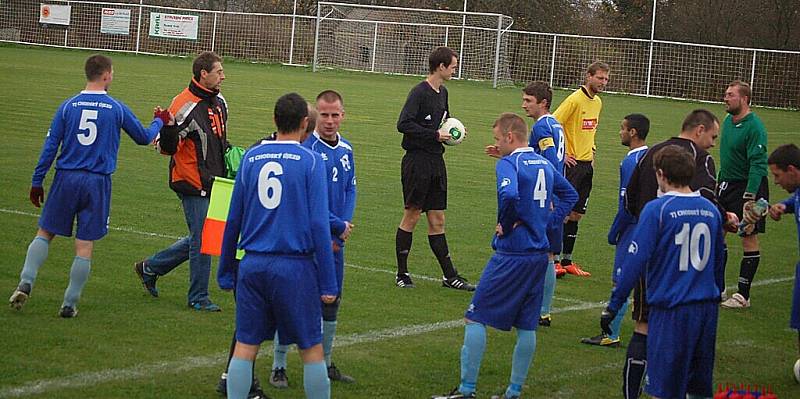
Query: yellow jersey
point(579, 115)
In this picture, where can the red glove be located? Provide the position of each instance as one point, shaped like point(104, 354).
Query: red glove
point(37, 196)
point(164, 115)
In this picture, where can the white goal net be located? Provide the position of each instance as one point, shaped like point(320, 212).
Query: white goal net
point(399, 40)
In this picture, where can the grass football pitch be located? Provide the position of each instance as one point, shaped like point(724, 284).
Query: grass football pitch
point(397, 343)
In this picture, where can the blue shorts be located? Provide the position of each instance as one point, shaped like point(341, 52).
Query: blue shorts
point(621, 252)
point(555, 236)
point(82, 195)
point(795, 321)
point(509, 293)
point(278, 293)
point(680, 350)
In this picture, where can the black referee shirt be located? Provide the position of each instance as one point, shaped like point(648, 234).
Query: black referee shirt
point(643, 186)
point(423, 113)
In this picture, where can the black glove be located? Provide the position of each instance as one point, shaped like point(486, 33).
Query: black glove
point(605, 320)
point(37, 196)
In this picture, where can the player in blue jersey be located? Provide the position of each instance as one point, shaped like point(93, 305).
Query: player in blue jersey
point(340, 166)
point(632, 133)
point(510, 290)
point(678, 245)
point(279, 217)
point(784, 164)
point(547, 140)
point(86, 128)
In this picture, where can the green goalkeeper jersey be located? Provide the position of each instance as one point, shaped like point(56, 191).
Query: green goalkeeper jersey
point(743, 151)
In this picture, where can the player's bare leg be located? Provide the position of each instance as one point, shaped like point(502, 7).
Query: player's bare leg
point(315, 373)
point(240, 370)
point(35, 257)
point(78, 276)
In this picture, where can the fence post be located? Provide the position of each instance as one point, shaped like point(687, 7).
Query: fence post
point(214, 32)
point(139, 27)
point(446, 35)
point(374, 46)
point(316, 40)
point(553, 60)
point(461, 46)
point(753, 70)
point(497, 50)
point(66, 31)
point(291, 43)
point(650, 59)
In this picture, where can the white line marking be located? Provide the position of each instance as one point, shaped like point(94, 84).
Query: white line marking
point(194, 362)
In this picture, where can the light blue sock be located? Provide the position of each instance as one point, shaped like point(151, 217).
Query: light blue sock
point(617, 322)
point(471, 356)
point(328, 332)
point(37, 254)
point(523, 356)
point(549, 288)
point(78, 275)
point(315, 381)
point(240, 375)
point(279, 359)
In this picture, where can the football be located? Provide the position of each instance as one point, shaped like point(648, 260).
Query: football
point(456, 130)
point(797, 370)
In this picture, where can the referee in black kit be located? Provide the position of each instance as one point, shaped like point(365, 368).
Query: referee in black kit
point(423, 172)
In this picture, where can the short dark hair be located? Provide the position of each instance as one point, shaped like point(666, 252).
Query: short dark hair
point(511, 122)
point(743, 87)
point(330, 96)
point(785, 155)
point(540, 90)
point(640, 123)
point(676, 164)
point(96, 65)
point(204, 62)
point(699, 117)
point(290, 110)
point(440, 55)
point(597, 66)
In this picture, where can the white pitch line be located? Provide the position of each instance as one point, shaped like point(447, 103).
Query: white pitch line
point(195, 362)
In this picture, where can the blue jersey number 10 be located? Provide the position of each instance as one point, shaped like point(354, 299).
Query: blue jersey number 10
point(689, 240)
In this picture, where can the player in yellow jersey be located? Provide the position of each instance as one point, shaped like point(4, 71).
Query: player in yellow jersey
point(579, 115)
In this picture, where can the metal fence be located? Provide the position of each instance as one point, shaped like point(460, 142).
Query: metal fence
point(640, 67)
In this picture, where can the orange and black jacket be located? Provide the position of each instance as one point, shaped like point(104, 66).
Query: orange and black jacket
point(198, 140)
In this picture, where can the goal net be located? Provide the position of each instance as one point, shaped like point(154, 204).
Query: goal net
point(398, 40)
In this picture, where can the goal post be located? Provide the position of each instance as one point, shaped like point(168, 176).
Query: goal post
point(398, 40)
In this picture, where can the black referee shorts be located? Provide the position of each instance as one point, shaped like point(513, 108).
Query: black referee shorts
point(424, 178)
point(580, 176)
point(729, 194)
point(640, 308)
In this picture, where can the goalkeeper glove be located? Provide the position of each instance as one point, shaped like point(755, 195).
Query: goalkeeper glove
point(606, 317)
point(37, 196)
point(752, 213)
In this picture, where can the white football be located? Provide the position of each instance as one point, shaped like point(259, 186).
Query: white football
point(797, 370)
point(456, 130)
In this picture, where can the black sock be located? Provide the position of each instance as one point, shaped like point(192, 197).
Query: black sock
point(748, 271)
point(439, 247)
point(570, 234)
point(635, 366)
point(402, 244)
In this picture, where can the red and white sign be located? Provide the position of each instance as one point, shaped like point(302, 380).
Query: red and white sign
point(589, 124)
point(115, 21)
point(54, 14)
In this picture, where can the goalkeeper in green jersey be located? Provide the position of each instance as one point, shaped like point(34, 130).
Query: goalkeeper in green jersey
point(743, 179)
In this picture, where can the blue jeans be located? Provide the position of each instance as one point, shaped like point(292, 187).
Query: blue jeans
point(188, 248)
